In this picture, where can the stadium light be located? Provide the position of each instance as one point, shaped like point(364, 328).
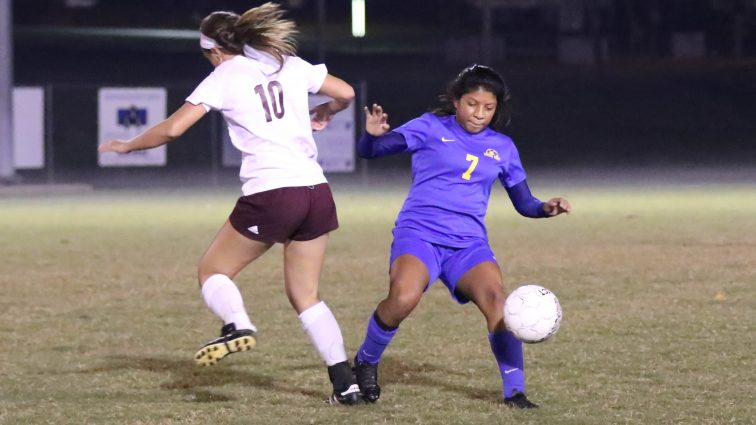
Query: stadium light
point(358, 18)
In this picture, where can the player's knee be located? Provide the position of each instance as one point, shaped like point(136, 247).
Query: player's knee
point(491, 297)
point(404, 302)
point(302, 296)
point(497, 297)
point(202, 276)
point(204, 271)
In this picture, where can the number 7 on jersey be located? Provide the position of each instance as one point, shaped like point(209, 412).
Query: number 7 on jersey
point(466, 175)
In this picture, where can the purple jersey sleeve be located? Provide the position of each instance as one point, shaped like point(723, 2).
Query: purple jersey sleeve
point(512, 171)
point(416, 131)
point(524, 202)
point(372, 147)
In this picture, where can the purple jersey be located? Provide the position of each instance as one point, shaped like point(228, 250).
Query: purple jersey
point(452, 175)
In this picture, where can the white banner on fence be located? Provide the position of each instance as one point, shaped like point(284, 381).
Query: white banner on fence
point(123, 114)
point(335, 143)
point(28, 127)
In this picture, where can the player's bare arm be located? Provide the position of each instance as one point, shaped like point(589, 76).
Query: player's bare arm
point(342, 95)
point(162, 133)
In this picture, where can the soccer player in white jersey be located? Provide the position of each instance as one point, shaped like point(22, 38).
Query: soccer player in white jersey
point(261, 87)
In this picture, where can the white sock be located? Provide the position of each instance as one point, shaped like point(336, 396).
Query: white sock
point(324, 333)
point(225, 300)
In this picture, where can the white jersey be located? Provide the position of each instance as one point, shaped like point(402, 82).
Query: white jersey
point(268, 118)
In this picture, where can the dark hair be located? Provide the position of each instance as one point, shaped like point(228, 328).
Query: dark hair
point(471, 79)
point(262, 27)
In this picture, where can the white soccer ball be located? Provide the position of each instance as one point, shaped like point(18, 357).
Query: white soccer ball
point(532, 313)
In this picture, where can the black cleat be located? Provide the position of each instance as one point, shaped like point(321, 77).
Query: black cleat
point(367, 379)
point(230, 341)
point(519, 401)
point(349, 397)
point(345, 390)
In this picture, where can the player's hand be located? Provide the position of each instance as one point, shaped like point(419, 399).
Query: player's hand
point(320, 116)
point(376, 121)
point(118, 146)
point(556, 206)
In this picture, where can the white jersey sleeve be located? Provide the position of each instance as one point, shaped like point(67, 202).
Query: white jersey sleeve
point(208, 93)
point(314, 74)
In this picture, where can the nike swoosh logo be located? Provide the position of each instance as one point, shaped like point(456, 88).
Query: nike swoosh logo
point(508, 371)
point(444, 139)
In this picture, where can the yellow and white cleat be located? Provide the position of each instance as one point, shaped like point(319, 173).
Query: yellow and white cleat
point(230, 341)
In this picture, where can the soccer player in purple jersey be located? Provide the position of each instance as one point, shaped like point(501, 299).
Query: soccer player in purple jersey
point(458, 152)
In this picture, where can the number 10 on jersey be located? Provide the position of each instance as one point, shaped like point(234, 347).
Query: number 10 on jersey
point(274, 100)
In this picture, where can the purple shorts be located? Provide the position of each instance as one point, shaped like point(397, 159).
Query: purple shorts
point(288, 213)
point(443, 262)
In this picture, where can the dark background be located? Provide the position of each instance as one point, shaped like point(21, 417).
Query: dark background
point(635, 101)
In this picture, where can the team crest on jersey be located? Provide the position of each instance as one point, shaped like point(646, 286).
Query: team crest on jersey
point(491, 153)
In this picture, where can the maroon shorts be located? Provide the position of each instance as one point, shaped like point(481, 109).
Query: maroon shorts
point(288, 213)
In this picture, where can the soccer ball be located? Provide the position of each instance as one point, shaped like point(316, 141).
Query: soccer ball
point(532, 313)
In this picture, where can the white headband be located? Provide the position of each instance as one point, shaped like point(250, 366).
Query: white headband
point(207, 42)
point(249, 51)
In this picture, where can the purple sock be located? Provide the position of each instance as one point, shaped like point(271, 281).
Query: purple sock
point(377, 338)
point(508, 352)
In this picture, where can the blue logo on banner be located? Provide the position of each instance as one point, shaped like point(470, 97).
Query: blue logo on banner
point(132, 117)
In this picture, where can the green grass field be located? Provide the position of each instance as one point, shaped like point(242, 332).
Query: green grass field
point(100, 314)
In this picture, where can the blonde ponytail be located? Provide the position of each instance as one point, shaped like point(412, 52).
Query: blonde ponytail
point(264, 28)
